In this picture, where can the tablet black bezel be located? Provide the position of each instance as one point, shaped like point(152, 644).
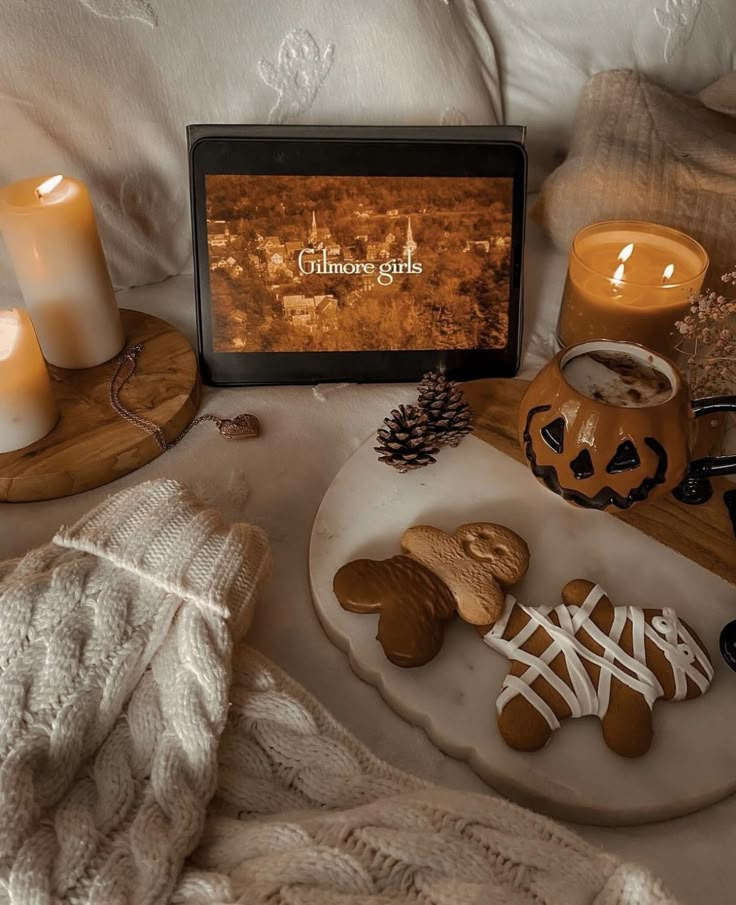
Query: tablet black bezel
point(336, 151)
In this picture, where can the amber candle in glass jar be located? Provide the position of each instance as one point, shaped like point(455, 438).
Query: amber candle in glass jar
point(629, 280)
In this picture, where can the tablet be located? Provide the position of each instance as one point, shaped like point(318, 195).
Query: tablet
point(357, 253)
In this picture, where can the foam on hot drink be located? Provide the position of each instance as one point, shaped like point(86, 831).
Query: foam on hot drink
point(617, 378)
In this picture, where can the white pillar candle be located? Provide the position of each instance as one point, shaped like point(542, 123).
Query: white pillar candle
point(50, 230)
point(27, 407)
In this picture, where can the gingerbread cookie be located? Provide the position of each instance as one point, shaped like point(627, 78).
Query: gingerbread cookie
point(589, 658)
point(418, 592)
point(476, 563)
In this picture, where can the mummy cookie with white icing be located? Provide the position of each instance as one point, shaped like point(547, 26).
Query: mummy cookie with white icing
point(587, 657)
point(584, 657)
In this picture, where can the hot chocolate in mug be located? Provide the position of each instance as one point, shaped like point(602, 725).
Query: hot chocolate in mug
point(608, 424)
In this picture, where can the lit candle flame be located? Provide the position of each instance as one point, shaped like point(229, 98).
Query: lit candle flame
point(626, 252)
point(8, 332)
point(619, 274)
point(667, 272)
point(46, 187)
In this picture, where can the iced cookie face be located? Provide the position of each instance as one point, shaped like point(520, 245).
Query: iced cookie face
point(477, 562)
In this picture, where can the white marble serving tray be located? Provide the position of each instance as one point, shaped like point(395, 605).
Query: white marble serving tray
point(692, 762)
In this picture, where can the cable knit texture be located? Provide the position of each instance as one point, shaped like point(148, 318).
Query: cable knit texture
point(123, 711)
point(640, 151)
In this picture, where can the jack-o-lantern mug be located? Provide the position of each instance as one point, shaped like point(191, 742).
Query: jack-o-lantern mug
point(609, 424)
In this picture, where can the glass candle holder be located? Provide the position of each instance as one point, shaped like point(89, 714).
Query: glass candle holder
point(630, 281)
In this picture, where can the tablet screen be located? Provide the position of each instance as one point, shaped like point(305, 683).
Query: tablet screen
point(358, 263)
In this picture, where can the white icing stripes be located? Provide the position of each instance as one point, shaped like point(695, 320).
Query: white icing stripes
point(604, 679)
point(582, 697)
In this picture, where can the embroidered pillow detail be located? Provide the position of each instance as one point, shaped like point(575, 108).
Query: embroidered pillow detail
point(302, 68)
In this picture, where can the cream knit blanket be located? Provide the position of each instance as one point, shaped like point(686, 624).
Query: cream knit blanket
point(641, 152)
point(123, 711)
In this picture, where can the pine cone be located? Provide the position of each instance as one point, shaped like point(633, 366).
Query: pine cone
point(406, 442)
point(449, 415)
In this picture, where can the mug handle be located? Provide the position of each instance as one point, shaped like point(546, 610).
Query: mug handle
point(695, 487)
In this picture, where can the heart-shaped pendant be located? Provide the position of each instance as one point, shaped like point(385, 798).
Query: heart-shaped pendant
point(244, 427)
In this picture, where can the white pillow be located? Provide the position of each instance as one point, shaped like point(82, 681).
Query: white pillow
point(103, 90)
point(548, 49)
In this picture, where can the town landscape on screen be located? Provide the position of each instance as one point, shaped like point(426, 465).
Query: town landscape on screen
point(353, 263)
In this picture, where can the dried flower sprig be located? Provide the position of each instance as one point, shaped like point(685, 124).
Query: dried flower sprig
point(709, 342)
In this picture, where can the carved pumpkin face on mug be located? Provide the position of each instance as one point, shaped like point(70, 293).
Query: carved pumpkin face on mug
point(606, 425)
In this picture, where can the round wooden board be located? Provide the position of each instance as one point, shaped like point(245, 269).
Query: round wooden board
point(692, 763)
point(91, 445)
